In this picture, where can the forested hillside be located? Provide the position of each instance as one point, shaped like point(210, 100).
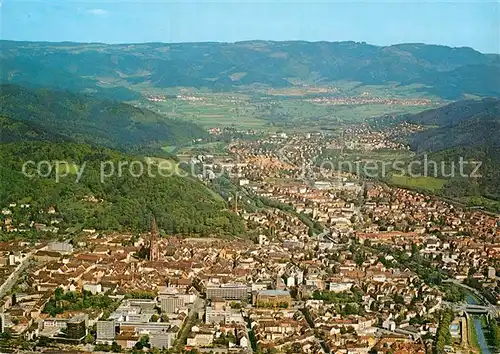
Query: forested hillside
point(467, 130)
point(456, 112)
point(51, 126)
point(180, 204)
point(85, 119)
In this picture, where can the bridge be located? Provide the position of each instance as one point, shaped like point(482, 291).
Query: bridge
point(474, 309)
point(492, 310)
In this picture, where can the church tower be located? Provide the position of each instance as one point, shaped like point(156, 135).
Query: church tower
point(153, 241)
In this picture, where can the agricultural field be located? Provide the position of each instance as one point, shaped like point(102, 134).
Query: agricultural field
point(208, 109)
point(291, 109)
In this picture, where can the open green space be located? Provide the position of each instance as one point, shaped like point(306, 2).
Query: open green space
point(423, 182)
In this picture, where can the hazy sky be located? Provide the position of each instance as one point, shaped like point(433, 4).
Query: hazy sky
point(455, 23)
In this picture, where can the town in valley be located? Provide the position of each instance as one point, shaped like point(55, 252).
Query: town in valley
point(330, 262)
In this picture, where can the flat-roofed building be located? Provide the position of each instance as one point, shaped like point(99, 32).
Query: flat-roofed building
point(172, 303)
point(62, 247)
point(106, 330)
point(231, 291)
point(76, 328)
point(163, 339)
point(279, 298)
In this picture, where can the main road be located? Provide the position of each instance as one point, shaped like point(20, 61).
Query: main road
point(12, 279)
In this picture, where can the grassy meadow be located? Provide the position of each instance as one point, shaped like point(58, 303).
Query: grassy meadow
point(432, 184)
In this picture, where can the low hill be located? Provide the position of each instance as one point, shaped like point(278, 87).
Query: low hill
point(119, 201)
point(85, 119)
point(447, 72)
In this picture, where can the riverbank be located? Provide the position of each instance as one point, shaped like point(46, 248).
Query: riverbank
point(472, 335)
point(475, 332)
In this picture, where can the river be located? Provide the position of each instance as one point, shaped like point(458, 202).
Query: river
point(478, 328)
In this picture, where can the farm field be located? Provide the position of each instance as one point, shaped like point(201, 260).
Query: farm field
point(261, 108)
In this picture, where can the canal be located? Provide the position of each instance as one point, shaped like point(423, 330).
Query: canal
point(478, 327)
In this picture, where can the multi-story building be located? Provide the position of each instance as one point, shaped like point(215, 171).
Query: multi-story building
point(172, 303)
point(162, 339)
point(76, 328)
point(217, 316)
point(200, 339)
point(62, 247)
point(94, 288)
point(233, 291)
point(106, 331)
point(279, 298)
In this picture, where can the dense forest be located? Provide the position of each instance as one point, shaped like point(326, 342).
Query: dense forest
point(77, 131)
point(468, 123)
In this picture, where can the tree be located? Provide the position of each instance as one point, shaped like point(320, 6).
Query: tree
point(58, 293)
point(142, 343)
point(443, 336)
point(89, 339)
point(115, 347)
point(494, 333)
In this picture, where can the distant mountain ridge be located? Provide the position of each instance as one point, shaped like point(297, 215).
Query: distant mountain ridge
point(447, 72)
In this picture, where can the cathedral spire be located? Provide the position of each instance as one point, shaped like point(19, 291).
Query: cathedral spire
point(153, 241)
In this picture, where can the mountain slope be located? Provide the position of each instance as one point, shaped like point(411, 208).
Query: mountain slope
point(458, 111)
point(466, 131)
point(30, 72)
point(116, 202)
point(85, 119)
point(13, 130)
point(48, 127)
point(449, 72)
point(466, 123)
